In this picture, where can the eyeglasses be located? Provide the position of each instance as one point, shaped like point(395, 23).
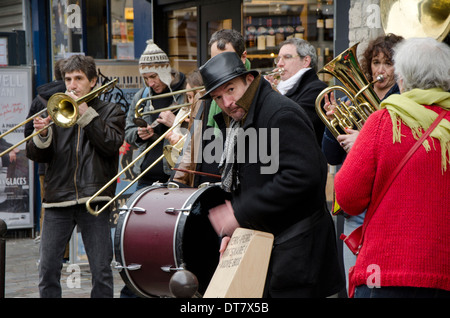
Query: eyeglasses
point(286, 57)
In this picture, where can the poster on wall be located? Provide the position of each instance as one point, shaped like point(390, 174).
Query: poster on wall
point(16, 171)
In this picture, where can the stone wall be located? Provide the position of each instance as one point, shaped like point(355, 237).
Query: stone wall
point(364, 23)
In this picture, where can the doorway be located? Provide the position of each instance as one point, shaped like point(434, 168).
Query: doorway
point(216, 16)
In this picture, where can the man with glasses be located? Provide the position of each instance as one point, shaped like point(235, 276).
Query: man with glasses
point(299, 80)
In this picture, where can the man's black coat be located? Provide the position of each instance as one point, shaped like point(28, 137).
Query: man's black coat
point(304, 93)
point(306, 264)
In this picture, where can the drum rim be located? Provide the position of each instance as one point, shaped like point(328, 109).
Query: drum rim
point(122, 233)
point(177, 246)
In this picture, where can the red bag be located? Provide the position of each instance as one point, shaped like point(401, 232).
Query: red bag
point(353, 240)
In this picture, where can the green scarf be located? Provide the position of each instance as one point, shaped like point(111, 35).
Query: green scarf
point(407, 108)
point(215, 109)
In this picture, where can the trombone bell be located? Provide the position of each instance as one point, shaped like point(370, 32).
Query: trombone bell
point(63, 109)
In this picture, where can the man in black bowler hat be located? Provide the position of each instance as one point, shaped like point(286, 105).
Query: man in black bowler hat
point(276, 181)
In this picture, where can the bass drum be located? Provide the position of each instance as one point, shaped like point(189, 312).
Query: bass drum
point(161, 230)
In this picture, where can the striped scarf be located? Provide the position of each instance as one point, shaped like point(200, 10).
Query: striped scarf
point(227, 163)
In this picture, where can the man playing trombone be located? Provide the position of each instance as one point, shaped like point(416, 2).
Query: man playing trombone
point(80, 159)
point(159, 79)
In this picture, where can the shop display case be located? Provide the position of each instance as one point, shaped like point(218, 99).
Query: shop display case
point(266, 24)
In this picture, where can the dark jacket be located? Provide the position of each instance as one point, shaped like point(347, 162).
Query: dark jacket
point(305, 265)
point(304, 93)
point(83, 158)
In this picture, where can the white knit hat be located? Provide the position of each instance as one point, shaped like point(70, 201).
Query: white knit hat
point(154, 60)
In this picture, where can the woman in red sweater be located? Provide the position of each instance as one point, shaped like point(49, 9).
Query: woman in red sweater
point(406, 250)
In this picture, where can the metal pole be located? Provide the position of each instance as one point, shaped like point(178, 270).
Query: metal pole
point(3, 230)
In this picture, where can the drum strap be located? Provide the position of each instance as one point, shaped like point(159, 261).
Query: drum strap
point(299, 227)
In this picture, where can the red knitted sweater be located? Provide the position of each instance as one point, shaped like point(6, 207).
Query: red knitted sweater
point(407, 241)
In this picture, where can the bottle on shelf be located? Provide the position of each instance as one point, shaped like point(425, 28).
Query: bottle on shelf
point(270, 38)
point(261, 36)
point(328, 15)
point(299, 29)
point(250, 33)
point(319, 16)
point(279, 35)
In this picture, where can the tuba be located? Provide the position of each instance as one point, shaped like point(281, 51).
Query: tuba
point(364, 100)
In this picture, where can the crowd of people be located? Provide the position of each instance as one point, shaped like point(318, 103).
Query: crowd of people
point(404, 251)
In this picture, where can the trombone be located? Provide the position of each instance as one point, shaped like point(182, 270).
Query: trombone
point(88, 202)
point(63, 110)
point(138, 113)
point(279, 72)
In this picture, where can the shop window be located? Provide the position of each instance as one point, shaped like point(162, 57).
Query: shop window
point(268, 23)
point(66, 31)
point(217, 25)
point(183, 39)
point(122, 30)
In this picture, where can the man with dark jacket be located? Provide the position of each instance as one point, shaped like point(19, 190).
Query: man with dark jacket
point(80, 160)
point(277, 183)
point(299, 80)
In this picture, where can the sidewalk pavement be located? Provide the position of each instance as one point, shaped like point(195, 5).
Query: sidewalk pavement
point(21, 278)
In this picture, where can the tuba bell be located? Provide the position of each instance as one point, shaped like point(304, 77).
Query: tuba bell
point(364, 100)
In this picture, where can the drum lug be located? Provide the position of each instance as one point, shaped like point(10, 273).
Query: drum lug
point(175, 211)
point(134, 209)
point(131, 267)
point(169, 268)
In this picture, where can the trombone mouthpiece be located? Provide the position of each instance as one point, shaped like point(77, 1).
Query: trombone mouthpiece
point(380, 78)
point(279, 72)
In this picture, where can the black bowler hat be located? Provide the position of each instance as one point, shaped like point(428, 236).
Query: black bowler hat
point(220, 69)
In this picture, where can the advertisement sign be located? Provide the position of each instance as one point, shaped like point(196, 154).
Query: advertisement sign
point(16, 171)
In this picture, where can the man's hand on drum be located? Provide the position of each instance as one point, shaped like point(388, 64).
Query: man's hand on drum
point(224, 223)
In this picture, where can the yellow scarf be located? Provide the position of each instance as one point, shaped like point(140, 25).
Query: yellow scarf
point(407, 108)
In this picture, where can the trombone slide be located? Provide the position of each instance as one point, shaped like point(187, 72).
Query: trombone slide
point(114, 179)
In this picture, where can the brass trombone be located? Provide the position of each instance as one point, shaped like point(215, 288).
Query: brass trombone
point(89, 201)
point(278, 72)
point(357, 88)
point(63, 111)
point(138, 113)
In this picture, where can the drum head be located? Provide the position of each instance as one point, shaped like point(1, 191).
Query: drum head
point(173, 233)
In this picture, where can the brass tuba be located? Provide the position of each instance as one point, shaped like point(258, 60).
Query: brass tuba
point(356, 87)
